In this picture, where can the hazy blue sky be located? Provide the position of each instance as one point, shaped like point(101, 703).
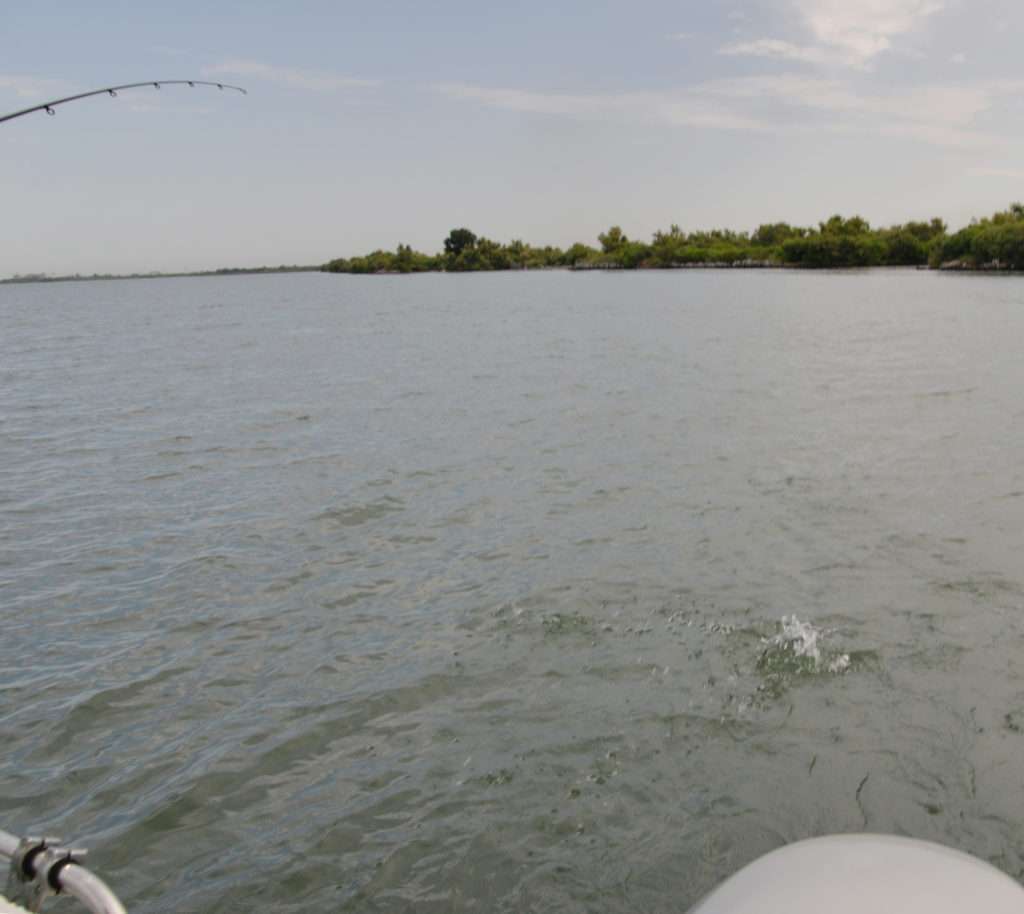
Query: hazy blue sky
point(382, 122)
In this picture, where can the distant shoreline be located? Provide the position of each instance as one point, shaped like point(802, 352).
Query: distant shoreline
point(740, 266)
point(92, 277)
point(994, 245)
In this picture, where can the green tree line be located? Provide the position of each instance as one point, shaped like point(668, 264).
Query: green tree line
point(993, 243)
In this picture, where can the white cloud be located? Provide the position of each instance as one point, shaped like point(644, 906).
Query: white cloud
point(955, 105)
point(310, 80)
point(938, 115)
point(147, 108)
point(848, 33)
point(170, 51)
point(33, 88)
point(862, 29)
point(986, 172)
point(959, 58)
point(773, 47)
point(680, 108)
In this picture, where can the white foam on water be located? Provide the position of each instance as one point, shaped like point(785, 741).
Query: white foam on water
point(800, 637)
point(840, 664)
point(804, 640)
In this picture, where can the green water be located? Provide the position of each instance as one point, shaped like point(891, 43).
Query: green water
point(507, 593)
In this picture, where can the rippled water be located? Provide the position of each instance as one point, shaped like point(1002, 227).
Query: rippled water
point(541, 592)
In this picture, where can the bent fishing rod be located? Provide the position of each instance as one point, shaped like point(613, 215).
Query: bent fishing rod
point(112, 91)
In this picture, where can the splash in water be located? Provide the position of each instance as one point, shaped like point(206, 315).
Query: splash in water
point(797, 649)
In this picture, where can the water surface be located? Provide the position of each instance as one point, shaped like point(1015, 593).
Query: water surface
point(543, 592)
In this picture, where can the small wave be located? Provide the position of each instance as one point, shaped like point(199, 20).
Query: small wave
point(355, 515)
point(932, 394)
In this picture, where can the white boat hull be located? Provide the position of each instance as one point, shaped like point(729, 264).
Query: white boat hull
point(866, 874)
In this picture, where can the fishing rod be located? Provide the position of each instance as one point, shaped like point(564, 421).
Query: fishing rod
point(112, 92)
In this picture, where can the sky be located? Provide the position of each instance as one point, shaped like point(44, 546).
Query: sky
point(367, 125)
